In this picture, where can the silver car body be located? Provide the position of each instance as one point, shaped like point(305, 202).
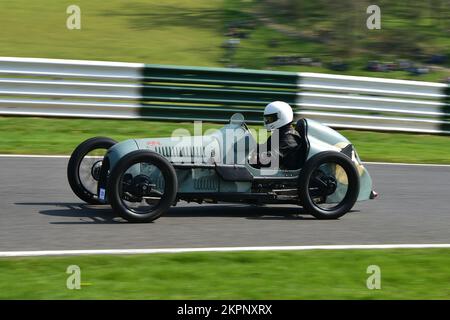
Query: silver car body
point(196, 158)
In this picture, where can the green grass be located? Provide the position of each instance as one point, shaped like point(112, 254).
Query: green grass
point(400, 147)
point(191, 32)
point(185, 32)
point(60, 136)
point(25, 135)
point(405, 274)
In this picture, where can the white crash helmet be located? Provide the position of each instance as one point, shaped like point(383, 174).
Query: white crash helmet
point(277, 114)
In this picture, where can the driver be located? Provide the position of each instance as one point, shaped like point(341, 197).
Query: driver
point(278, 116)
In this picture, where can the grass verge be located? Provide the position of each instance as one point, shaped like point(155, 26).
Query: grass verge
point(26, 135)
point(405, 274)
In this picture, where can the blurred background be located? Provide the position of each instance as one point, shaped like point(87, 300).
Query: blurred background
point(294, 35)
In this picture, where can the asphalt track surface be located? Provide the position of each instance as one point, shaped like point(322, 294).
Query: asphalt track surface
point(38, 211)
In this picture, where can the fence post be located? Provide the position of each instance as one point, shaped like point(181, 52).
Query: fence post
point(446, 110)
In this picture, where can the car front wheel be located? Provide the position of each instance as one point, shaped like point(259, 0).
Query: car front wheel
point(142, 186)
point(83, 170)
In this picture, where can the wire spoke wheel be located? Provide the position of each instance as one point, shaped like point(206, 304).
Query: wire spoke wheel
point(83, 170)
point(142, 186)
point(328, 185)
point(89, 169)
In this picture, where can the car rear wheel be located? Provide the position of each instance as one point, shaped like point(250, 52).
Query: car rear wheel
point(328, 185)
point(142, 186)
point(84, 167)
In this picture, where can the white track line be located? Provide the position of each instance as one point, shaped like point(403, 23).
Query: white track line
point(218, 249)
point(368, 162)
point(408, 164)
point(32, 156)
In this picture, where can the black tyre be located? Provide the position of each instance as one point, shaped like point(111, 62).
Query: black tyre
point(328, 185)
point(84, 167)
point(142, 186)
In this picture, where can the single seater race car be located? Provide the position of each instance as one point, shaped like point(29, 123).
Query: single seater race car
point(142, 178)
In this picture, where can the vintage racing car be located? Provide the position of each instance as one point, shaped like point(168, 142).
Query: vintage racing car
point(142, 178)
